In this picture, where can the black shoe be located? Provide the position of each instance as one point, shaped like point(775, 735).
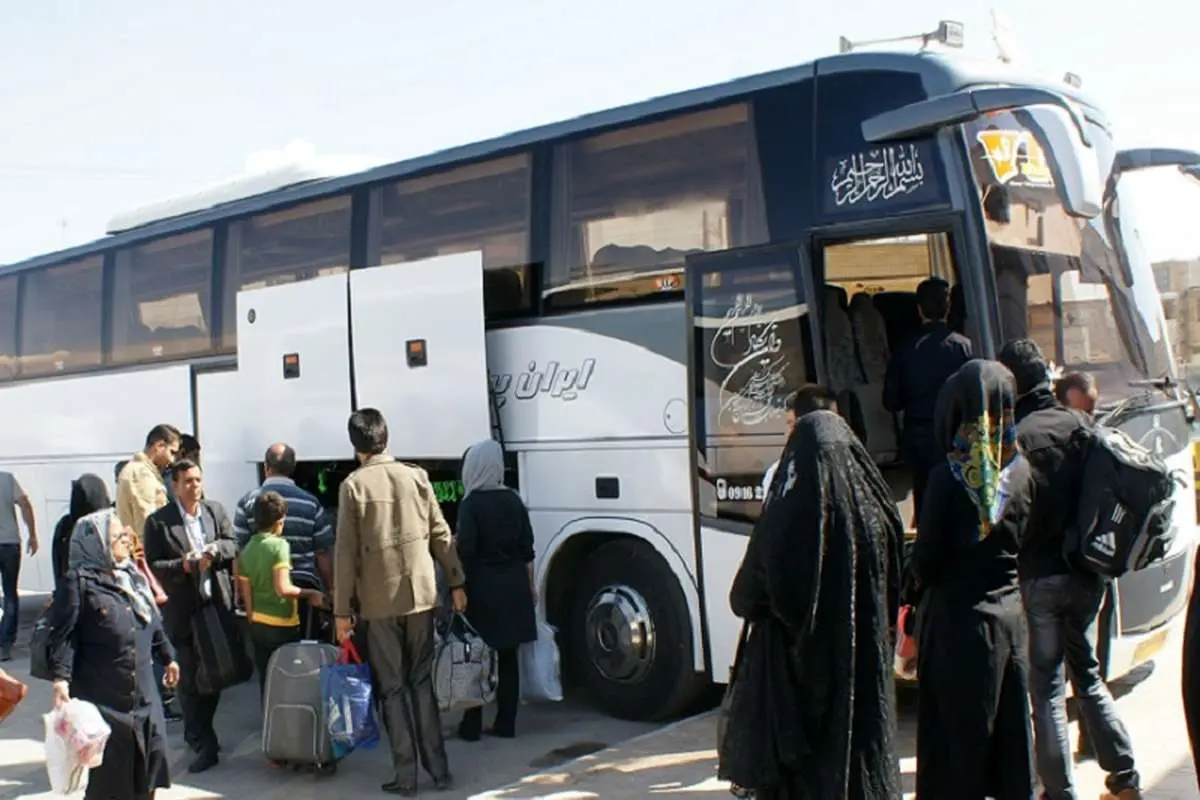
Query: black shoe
point(204, 762)
point(444, 783)
point(5, 654)
point(469, 734)
point(400, 788)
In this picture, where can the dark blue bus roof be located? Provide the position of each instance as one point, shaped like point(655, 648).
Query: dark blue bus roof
point(941, 74)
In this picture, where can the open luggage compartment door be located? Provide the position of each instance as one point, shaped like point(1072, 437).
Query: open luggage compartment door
point(294, 367)
point(420, 355)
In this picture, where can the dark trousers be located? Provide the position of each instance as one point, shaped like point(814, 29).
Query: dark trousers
point(10, 570)
point(1062, 612)
point(400, 654)
point(508, 698)
point(264, 641)
point(199, 710)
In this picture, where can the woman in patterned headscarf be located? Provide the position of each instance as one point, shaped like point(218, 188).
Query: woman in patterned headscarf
point(973, 735)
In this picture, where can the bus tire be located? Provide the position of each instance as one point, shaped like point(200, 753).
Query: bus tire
point(630, 634)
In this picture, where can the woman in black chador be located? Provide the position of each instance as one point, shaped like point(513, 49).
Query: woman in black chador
point(973, 733)
point(812, 711)
point(1191, 668)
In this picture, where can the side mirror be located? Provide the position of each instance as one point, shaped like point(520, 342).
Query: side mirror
point(1188, 161)
point(1062, 130)
point(1192, 172)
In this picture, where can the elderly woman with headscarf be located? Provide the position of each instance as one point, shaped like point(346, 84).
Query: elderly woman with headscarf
point(973, 732)
point(88, 494)
point(495, 544)
point(106, 630)
point(812, 709)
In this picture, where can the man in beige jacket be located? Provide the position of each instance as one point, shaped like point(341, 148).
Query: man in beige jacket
point(141, 489)
point(390, 530)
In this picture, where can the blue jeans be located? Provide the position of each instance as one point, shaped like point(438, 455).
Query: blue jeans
point(1062, 611)
point(10, 569)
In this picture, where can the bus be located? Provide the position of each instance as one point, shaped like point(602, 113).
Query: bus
point(624, 300)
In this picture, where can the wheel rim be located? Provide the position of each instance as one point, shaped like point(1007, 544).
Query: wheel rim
point(620, 634)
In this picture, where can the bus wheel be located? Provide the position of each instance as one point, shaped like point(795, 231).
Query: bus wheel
point(631, 637)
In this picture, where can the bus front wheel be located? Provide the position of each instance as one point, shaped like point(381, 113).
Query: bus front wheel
point(631, 636)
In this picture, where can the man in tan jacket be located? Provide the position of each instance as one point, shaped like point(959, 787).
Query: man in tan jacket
point(390, 530)
point(141, 489)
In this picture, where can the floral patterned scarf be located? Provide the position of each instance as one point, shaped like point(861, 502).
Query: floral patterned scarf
point(981, 456)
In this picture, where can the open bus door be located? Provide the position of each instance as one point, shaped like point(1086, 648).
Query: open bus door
point(407, 339)
point(752, 344)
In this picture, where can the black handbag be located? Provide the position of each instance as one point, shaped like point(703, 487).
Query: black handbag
point(39, 648)
point(221, 660)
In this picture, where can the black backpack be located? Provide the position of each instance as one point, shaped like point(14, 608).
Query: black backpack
point(1126, 499)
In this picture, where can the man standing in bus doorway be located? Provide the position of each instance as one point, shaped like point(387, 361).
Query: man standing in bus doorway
point(141, 489)
point(1061, 604)
point(388, 510)
point(12, 497)
point(915, 375)
point(808, 398)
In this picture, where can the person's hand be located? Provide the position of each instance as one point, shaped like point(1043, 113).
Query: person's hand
point(315, 598)
point(32, 546)
point(345, 629)
point(458, 599)
point(171, 675)
point(205, 562)
point(189, 561)
point(62, 693)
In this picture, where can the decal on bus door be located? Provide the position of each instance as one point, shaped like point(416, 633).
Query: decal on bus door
point(882, 173)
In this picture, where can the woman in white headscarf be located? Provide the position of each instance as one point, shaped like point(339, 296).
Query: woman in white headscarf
point(106, 633)
point(495, 545)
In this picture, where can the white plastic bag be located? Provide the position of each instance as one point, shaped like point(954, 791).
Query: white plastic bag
point(540, 676)
point(76, 735)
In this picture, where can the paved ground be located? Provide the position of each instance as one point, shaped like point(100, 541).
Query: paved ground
point(550, 735)
point(679, 761)
point(675, 761)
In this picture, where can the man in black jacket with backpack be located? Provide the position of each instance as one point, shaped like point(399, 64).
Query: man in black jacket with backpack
point(1061, 603)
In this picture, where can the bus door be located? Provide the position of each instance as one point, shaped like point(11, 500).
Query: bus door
point(751, 345)
point(865, 303)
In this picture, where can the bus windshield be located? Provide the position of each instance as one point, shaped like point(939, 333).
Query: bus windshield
point(1062, 281)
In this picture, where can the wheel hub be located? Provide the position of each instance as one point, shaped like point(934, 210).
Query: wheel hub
point(620, 634)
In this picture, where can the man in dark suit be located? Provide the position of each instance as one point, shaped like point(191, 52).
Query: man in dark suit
point(191, 548)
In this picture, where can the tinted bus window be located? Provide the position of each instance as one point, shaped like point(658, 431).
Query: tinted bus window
point(8, 328)
point(295, 244)
point(481, 207)
point(162, 298)
point(61, 317)
point(629, 205)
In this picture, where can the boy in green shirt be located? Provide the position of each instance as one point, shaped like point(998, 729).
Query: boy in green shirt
point(264, 583)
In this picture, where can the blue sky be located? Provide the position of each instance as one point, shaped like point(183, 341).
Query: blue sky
point(103, 111)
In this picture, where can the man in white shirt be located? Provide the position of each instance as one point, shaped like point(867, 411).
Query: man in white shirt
point(805, 400)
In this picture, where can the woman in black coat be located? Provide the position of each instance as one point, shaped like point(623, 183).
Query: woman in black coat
point(495, 545)
point(88, 494)
point(105, 632)
point(974, 739)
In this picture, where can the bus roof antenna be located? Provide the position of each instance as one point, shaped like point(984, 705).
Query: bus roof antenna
point(948, 34)
point(1004, 38)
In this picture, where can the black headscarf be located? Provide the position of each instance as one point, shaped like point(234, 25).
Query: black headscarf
point(823, 567)
point(976, 429)
point(89, 493)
